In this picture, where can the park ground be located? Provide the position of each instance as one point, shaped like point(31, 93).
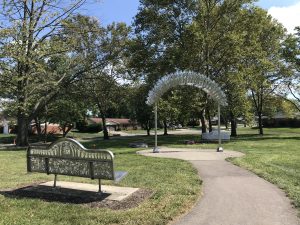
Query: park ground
point(175, 183)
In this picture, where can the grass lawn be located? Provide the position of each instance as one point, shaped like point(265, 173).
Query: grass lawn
point(274, 156)
point(175, 184)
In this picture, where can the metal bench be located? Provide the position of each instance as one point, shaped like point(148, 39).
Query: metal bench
point(68, 157)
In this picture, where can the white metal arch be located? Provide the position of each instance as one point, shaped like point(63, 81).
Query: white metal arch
point(186, 78)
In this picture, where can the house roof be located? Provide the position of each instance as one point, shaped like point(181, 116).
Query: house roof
point(119, 121)
point(112, 121)
point(95, 120)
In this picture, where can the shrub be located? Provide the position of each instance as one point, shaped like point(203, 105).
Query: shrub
point(193, 123)
point(83, 126)
point(288, 122)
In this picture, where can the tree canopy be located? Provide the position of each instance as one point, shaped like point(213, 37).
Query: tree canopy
point(50, 52)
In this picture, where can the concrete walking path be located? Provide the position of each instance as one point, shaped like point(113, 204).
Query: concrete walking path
point(231, 195)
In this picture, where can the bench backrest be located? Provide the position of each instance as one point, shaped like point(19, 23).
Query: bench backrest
point(68, 157)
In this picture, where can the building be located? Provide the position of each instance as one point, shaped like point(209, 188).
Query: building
point(51, 128)
point(114, 124)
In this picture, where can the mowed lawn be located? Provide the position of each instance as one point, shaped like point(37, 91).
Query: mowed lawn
point(274, 156)
point(175, 185)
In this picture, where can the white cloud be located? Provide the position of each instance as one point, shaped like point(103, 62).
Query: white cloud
point(289, 16)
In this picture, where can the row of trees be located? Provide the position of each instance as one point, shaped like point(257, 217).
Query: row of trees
point(233, 42)
point(56, 64)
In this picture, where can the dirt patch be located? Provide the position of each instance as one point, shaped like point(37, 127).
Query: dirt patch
point(84, 198)
point(132, 201)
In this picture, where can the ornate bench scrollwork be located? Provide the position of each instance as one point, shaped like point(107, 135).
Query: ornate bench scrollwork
point(68, 157)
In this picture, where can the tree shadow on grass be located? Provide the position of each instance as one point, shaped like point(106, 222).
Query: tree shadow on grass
point(257, 137)
point(173, 139)
point(123, 142)
point(7, 139)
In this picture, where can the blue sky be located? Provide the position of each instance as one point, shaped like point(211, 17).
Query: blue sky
point(109, 11)
point(285, 11)
point(278, 3)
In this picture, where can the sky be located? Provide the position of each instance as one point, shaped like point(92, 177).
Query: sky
point(286, 12)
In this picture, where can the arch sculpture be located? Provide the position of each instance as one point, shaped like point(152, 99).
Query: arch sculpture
point(186, 78)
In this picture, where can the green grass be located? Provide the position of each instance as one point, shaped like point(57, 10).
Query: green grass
point(274, 156)
point(175, 184)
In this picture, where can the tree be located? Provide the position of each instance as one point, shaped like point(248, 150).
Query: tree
point(214, 46)
point(67, 110)
point(159, 46)
point(107, 47)
point(261, 58)
point(167, 112)
point(35, 32)
point(189, 102)
point(103, 91)
point(290, 85)
point(160, 27)
point(185, 35)
point(142, 112)
point(291, 49)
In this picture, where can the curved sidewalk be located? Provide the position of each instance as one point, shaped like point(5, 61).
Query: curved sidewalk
point(232, 195)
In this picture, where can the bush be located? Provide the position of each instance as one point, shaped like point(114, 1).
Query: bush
point(14, 129)
point(288, 122)
point(89, 128)
point(193, 123)
point(81, 125)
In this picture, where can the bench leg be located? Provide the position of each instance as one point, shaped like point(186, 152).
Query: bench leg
point(55, 177)
point(99, 186)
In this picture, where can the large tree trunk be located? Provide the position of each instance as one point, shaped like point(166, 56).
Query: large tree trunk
point(105, 131)
point(203, 123)
point(209, 121)
point(233, 125)
point(46, 131)
point(260, 125)
point(148, 128)
point(103, 117)
point(165, 128)
point(66, 129)
point(258, 103)
point(38, 128)
point(226, 122)
point(22, 133)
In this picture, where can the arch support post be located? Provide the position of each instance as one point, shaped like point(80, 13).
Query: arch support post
point(219, 149)
point(155, 149)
